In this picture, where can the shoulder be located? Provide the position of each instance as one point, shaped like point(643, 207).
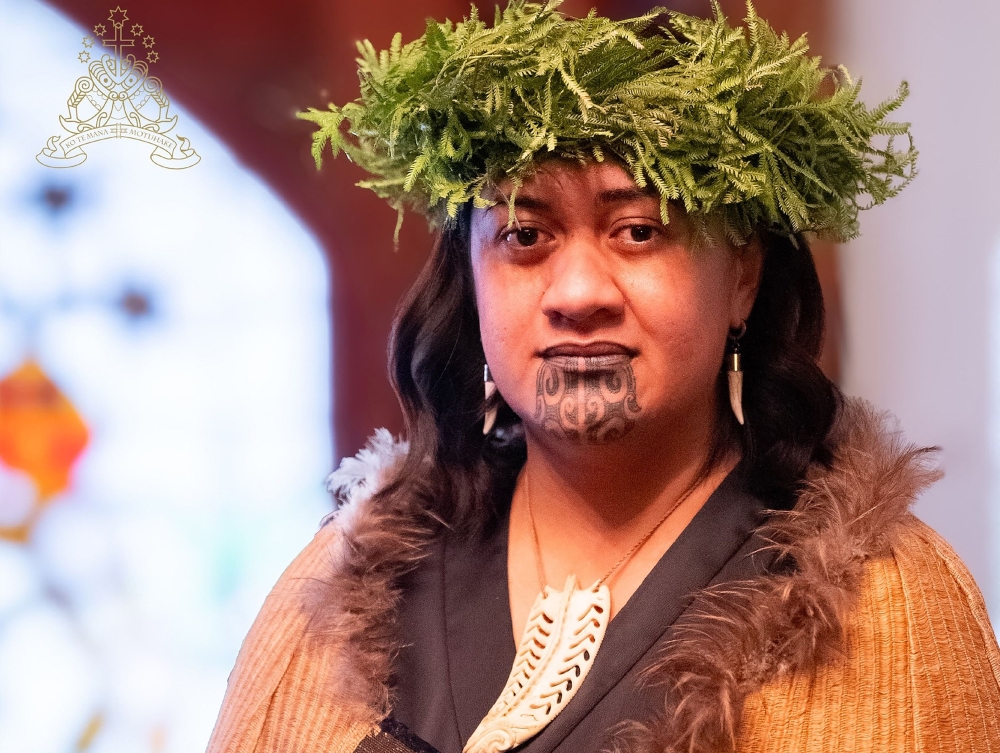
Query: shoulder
point(269, 649)
point(907, 568)
point(918, 667)
point(937, 604)
point(898, 650)
point(921, 613)
point(918, 631)
point(289, 664)
point(946, 613)
point(286, 610)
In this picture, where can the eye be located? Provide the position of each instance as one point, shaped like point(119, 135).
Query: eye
point(523, 237)
point(641, 233)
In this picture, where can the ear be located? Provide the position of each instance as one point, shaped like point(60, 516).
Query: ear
point(749, 261)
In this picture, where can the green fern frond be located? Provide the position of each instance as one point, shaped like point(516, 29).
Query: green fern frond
point(728, 121)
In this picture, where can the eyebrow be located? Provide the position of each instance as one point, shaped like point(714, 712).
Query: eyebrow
point(621, 195)
point(611, 196)
point(527, 202)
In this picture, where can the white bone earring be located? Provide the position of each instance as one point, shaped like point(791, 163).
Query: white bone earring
point(490, 388)
point(734, 364)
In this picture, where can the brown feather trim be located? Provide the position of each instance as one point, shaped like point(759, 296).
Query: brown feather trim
point(732, 640)
point(736, 638)
point(354, 606)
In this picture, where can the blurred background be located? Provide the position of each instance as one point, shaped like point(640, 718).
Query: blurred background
point(186, 354)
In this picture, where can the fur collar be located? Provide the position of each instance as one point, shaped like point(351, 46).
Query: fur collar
point(730, 642)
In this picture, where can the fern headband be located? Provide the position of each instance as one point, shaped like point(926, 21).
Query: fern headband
point(729, 122)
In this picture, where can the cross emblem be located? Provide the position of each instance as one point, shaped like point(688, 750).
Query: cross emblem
point(117, 42)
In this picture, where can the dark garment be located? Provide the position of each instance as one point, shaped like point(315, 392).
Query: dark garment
point(458, 642)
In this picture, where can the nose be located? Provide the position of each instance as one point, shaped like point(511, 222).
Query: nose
point(582, 289)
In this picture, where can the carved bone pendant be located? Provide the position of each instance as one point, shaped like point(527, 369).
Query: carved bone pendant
point(736, 394)
point(557, 649)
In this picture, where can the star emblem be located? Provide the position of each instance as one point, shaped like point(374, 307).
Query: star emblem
point(137, 30)
point(152, 57)
point(84, 56)
point(118, 15)
point(99, 30)
point(88, 41)
point(148, 43)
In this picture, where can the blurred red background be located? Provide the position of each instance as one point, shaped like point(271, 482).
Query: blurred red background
point(244, 68)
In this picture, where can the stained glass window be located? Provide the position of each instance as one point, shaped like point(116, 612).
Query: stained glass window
point(164, 417)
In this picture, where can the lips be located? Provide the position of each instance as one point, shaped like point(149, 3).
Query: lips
point(585, 350)
point(588, 356)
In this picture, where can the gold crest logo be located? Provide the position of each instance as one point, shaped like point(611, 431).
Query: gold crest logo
point(117, 99)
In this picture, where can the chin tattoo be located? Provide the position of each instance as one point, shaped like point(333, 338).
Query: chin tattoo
point(590, 400)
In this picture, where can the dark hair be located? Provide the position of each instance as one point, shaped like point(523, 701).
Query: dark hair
point(436, 367)
point(789, 403)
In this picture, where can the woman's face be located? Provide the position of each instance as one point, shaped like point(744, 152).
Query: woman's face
point(597, 318)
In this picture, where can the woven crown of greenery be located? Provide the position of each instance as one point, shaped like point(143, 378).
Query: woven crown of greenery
point(737, 123)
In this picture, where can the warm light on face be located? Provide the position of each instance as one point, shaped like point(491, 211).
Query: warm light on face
point(597, 318)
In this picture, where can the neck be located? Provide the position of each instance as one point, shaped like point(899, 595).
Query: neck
point(592, 504)
point(611, 487)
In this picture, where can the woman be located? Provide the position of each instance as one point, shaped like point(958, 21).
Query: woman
point(663, 528)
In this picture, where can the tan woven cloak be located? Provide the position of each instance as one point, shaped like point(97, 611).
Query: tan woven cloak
point(878, 641)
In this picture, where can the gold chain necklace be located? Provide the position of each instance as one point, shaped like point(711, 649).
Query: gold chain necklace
point(540, 567)
point(564, 631)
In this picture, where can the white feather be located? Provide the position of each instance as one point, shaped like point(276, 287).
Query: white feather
point(359, 477)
